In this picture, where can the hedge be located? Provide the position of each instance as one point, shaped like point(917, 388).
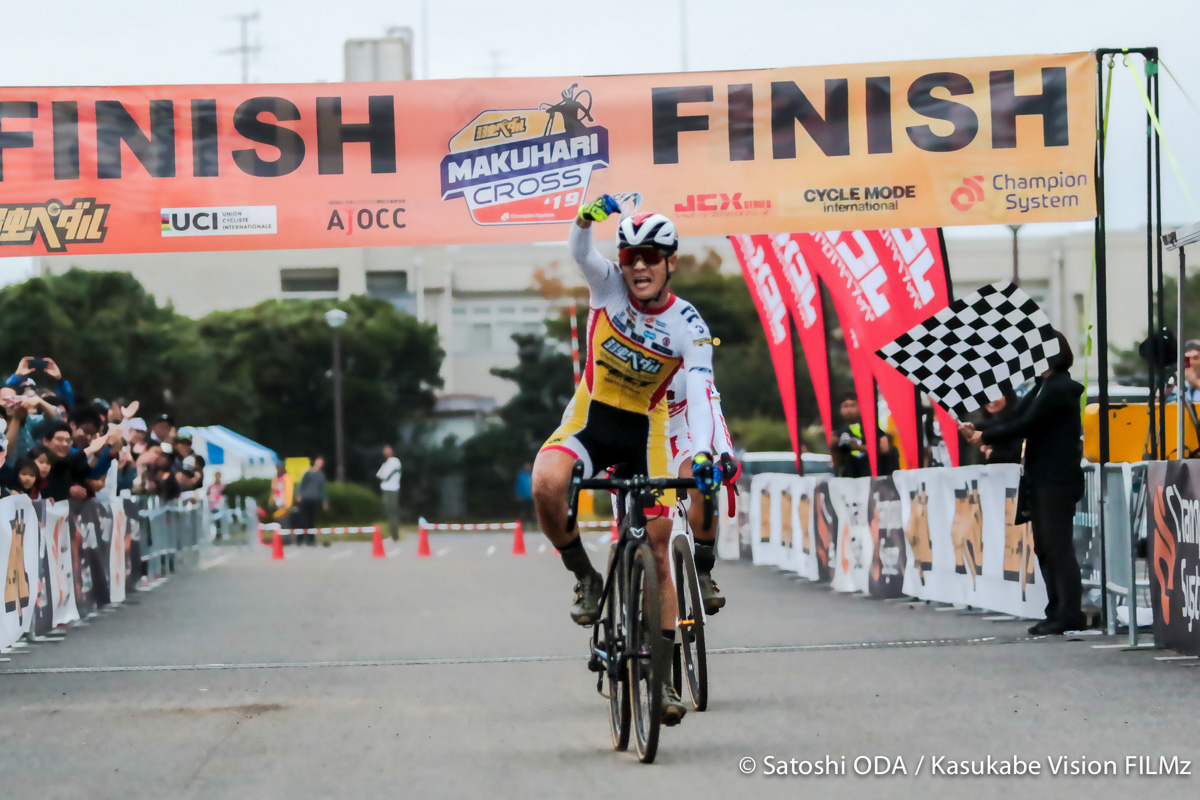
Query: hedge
point(349, 503)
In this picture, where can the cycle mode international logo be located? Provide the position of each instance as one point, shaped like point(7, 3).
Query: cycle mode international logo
point(523, 166)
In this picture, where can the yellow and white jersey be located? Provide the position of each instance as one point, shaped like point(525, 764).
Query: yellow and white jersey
point(632, 356)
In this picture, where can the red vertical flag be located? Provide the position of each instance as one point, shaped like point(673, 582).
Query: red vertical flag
point(803, 297)
point(773, 313)
point(882, 283)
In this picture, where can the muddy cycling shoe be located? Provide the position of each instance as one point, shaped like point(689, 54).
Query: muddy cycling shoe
point(586, 608)
point(710, 593)
point(673, 708)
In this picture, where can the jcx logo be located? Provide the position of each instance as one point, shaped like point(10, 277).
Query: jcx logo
point(710, 202)
point(967, 195)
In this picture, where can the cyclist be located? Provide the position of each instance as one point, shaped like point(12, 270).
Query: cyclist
point(639, 336)
point(704, 539)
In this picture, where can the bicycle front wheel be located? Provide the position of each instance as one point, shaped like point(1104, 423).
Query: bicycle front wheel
point(647, 650)
point(691, 623)
point(616, 626)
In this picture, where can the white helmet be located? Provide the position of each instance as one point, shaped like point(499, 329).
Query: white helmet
point(647, 230)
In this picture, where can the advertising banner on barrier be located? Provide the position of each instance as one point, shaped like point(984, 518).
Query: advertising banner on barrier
point(43, 615)
point(963, 545)
point(882, 282)
point(885, 517)
point(851, 568)
point(19, 545)
point(118, 564)
point(127, 169)
point(56, 530)
point(945, 535)
point(1174, 534)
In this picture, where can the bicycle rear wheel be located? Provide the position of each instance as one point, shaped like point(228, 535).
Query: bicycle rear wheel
point(616, 626)
point(691, 623)
point(648, 651)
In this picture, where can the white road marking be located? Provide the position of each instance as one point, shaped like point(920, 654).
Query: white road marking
point(443, 552)
point(340, 555)
point(590, 546)
point(1175, 658)
point(542, 547)
point(492, 550)
point(395, 551)
point(216, 561)
point(1000, 618)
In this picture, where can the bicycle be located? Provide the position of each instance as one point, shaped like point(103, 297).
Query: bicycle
point(627, 649)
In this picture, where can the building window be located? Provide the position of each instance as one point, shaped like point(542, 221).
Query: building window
point(387, 285)
point(479, 336)
point(309, 280)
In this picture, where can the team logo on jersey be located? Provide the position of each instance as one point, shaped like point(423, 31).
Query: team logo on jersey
point(526, 166)
point(636, 361)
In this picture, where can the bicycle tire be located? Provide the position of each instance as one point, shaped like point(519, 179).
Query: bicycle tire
point(691, 623)
point(618, 688)
point(648, 651)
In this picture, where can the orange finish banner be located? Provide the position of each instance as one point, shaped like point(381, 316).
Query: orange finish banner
point(864, 146)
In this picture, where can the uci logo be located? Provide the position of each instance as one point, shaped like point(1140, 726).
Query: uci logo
point(967, 195)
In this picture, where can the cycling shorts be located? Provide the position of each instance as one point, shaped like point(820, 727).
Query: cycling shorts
point(604, 436)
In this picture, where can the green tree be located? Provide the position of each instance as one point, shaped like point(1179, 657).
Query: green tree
point(1127, 363)
point(491, 459)
point(110, 339)
point(281, 350)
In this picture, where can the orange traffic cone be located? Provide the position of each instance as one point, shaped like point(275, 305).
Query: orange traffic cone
point(377, 545)
point(518, 540)
point(277, 545)
point(613, 535)
point(423, 542)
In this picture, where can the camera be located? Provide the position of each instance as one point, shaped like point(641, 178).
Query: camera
point(39, 363)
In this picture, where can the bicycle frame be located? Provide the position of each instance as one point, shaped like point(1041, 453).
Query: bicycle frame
point(633, 495)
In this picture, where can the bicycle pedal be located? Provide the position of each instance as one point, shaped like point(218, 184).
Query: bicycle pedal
point(595, 663)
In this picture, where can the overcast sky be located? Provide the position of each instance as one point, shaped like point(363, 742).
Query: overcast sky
point(81, 42)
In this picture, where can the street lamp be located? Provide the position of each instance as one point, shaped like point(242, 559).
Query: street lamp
point(336, 318)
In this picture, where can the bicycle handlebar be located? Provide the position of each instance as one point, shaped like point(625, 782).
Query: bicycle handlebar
point(636, 483)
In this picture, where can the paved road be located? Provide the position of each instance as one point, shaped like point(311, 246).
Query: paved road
point(335, 675)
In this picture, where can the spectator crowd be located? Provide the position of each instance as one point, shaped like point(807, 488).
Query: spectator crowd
point(59, 447)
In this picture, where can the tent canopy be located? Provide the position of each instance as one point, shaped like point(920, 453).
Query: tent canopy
point(230, 453)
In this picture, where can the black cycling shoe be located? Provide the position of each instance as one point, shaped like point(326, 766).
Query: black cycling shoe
point(673, 709)
point(586, 608)
point(710, 594)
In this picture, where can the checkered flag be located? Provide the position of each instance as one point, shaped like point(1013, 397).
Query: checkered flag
point(963, 354)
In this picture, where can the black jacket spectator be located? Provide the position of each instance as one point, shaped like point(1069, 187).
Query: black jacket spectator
point(1048, 420)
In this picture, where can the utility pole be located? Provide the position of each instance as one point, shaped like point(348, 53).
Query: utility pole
point(245, 49)
point(1016, 276)
point(683, 50)
point(424, 40)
